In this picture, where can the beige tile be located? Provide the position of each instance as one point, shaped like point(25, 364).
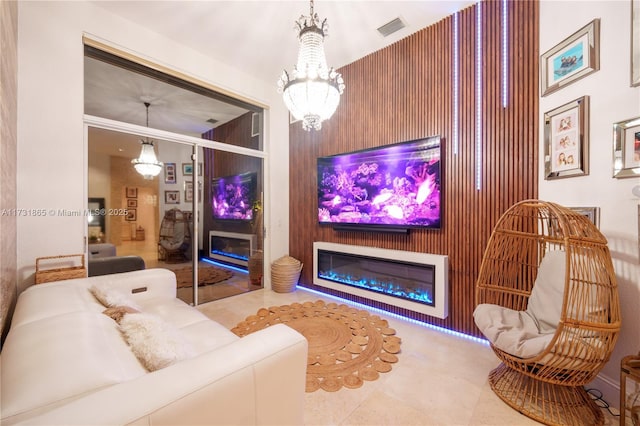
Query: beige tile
point(382, 409)
point(440, 378)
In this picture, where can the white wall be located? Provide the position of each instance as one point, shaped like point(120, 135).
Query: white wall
point(612, 99)
point(51, 147)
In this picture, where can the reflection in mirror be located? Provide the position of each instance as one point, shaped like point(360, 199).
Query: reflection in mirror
point(232, 218)
point(154, 218)
point(95, 220)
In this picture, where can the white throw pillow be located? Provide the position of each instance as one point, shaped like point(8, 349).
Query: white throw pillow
point(154, 342)
point(111, 297)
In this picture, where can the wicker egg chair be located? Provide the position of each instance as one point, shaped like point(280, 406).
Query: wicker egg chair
point(545, 382)
point(174, 244)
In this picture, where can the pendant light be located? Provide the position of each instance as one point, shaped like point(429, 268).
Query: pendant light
point(147, 163)
point(312, 90)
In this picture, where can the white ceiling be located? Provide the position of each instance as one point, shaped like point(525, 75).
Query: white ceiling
point(257, 37)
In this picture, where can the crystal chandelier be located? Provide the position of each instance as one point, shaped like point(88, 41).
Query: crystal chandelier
point(312, 90)
point(147, 163)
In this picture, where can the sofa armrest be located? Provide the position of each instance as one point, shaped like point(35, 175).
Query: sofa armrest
point(259, 379)
point(140, 285)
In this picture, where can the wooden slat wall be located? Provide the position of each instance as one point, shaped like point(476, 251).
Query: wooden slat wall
point(219, 163)
point(404, 92)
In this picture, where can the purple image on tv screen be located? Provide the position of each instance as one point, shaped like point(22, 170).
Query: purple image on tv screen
point(233, 196)
point(394, 185)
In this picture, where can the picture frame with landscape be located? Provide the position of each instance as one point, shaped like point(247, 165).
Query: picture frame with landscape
point(566, 135)
point(572, 59)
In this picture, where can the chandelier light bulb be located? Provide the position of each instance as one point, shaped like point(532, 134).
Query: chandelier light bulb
point(312, 90)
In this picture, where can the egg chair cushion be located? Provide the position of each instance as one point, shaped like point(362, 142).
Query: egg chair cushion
point(514, 332)
point(527, 333)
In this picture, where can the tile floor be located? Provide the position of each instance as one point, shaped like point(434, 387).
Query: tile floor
point(440, 379)
point(148, 250)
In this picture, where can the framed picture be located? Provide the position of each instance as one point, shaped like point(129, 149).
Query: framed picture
point(255, 124)
point(170, 173)
point(592, 213)
point(132, 192)
point(566, 140)
point(188, 192)
point(172, 197)
point(575, 57)
point(626, 148)
point(635, 42)
point(131, 215)
point(187, 169)
point(132, 203)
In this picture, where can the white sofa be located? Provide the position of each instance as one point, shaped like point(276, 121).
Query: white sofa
point(65, 362)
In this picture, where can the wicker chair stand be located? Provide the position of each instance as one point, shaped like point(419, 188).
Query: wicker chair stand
point(548, 387)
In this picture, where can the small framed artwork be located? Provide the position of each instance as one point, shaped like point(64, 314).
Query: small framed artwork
point(591, 213)
point(132, 203)
point(188, 192)
point(255, 124)
point(626, 148)
point(575, 57)
point(132, 215)
point(132, 192)
point(172, 197)
point(635, 42)
point(566, 140)
point(187, 169)
point(170, 173)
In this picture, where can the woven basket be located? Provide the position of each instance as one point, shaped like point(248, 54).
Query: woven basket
point(53, 272)
point(285, 273)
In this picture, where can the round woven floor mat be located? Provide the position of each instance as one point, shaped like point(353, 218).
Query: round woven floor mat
point(207, 274)
point(346, 345)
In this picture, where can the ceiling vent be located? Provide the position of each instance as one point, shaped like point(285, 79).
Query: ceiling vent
point(212, 121)
point(391, 27)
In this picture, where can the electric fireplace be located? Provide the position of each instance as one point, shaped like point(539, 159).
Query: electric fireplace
point(231, 247)
point(409, 280)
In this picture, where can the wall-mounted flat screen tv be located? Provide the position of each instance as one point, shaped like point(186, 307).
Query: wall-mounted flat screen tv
point(390, 186)
point(233, 196)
